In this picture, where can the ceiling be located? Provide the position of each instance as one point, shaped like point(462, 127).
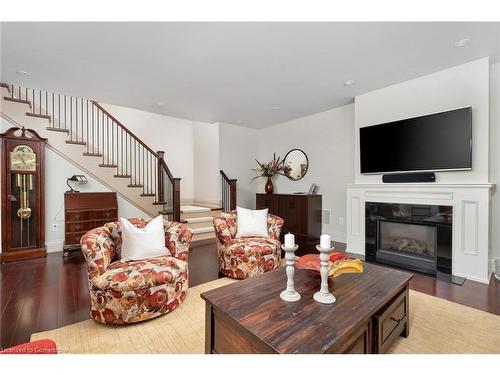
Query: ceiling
point(252, 74)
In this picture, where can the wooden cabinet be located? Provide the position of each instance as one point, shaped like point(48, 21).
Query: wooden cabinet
point(302, 216)
point(86, 211)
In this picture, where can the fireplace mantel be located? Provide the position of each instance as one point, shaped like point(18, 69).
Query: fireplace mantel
point(470, 202)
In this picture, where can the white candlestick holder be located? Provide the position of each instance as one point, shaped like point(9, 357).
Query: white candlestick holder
point(290, 294)
point(324, 295)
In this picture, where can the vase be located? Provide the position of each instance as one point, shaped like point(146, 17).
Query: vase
point(269, 186)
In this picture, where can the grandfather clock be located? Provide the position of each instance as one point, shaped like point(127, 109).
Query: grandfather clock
point(23, 216)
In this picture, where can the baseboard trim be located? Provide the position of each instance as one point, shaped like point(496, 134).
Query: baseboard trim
point(473, 278)
point(54, 246)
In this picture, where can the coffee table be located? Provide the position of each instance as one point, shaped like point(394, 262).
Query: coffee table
point(248, 316)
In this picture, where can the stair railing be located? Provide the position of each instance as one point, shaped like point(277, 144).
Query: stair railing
point(228, 192)
point(88, 124)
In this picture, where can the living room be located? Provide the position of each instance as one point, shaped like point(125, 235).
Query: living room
point(250, 187)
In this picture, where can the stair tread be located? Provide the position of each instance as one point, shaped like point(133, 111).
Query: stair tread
point(122, 176)
point(147, 195)
point(108, 165)
point(202, 219)
point(76, 143)
point(135, 186)
point(194, 209)
point(203, 230)
point(92, 154)
point(166, 212)
point(31, 114)
point(56, 129)
point(10, 99)
point(160, 203)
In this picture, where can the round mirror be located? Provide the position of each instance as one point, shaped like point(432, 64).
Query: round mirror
point(295, 164)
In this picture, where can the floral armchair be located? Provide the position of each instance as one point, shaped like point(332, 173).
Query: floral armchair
point(241, 258)
point(128, 292)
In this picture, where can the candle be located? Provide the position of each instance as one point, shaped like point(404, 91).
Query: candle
point(289, 240)
point(325, 241)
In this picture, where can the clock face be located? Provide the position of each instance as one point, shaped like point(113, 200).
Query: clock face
point(22, 158)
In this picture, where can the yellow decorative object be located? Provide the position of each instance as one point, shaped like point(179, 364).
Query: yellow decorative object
point(340, 267)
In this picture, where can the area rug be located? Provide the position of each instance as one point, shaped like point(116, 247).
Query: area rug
point(436, 326)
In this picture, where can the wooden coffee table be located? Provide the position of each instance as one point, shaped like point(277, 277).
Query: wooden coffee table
point(248, 316)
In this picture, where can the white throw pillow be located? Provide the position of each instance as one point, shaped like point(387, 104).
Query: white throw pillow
point(143, 243)
point(251, 223)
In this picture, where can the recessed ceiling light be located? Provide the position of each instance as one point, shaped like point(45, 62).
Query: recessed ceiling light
point(23, 73)
point(348, 83)
point(160, 104)
point(276, 108)
point(462, 42)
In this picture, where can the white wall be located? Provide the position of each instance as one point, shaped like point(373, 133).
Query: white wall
point(237, 153)
point(460, 86)
point(57, 170)
point(495, 158)
point(327, 138)
point(164, 133)
point(206, 163)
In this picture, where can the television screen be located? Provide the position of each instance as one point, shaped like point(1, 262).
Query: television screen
point(440, 141)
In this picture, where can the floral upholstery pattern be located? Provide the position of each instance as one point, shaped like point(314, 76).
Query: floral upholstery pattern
point(241, 258)
point(128, 292)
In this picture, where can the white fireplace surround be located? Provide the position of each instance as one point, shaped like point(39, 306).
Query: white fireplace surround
point(470, 202)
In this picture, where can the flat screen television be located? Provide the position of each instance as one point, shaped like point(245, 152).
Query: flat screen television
point(435, 142)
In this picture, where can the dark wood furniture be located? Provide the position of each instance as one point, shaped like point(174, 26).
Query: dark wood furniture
point(371, 311)
point(22, 191)
point(302, 215)
point(86, 211)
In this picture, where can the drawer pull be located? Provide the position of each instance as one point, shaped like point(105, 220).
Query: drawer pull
point(397, 320)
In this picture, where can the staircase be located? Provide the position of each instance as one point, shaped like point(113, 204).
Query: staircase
point(85, 133)
point(200, 220)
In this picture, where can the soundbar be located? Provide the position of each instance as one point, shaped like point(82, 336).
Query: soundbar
point(409, 177)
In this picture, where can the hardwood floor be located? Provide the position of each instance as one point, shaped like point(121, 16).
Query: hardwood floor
point(43, 294)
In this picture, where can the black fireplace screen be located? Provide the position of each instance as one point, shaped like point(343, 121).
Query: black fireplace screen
point(415, 239)
point(410, 236)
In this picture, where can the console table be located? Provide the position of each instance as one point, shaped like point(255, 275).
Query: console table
point(86, 211)
point(302, 216)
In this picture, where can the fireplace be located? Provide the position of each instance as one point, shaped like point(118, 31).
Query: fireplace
point(410, 236)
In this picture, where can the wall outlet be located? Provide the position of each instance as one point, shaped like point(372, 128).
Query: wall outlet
point(55, 227)
point(341, 220)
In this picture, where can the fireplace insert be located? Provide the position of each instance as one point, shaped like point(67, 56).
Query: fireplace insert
point(410, 236)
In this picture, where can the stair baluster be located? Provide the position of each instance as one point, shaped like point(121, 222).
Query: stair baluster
point(228, 192)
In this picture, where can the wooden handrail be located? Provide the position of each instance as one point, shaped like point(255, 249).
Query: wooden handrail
point(225, 176)
point(123, 126)
point(165, 167)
